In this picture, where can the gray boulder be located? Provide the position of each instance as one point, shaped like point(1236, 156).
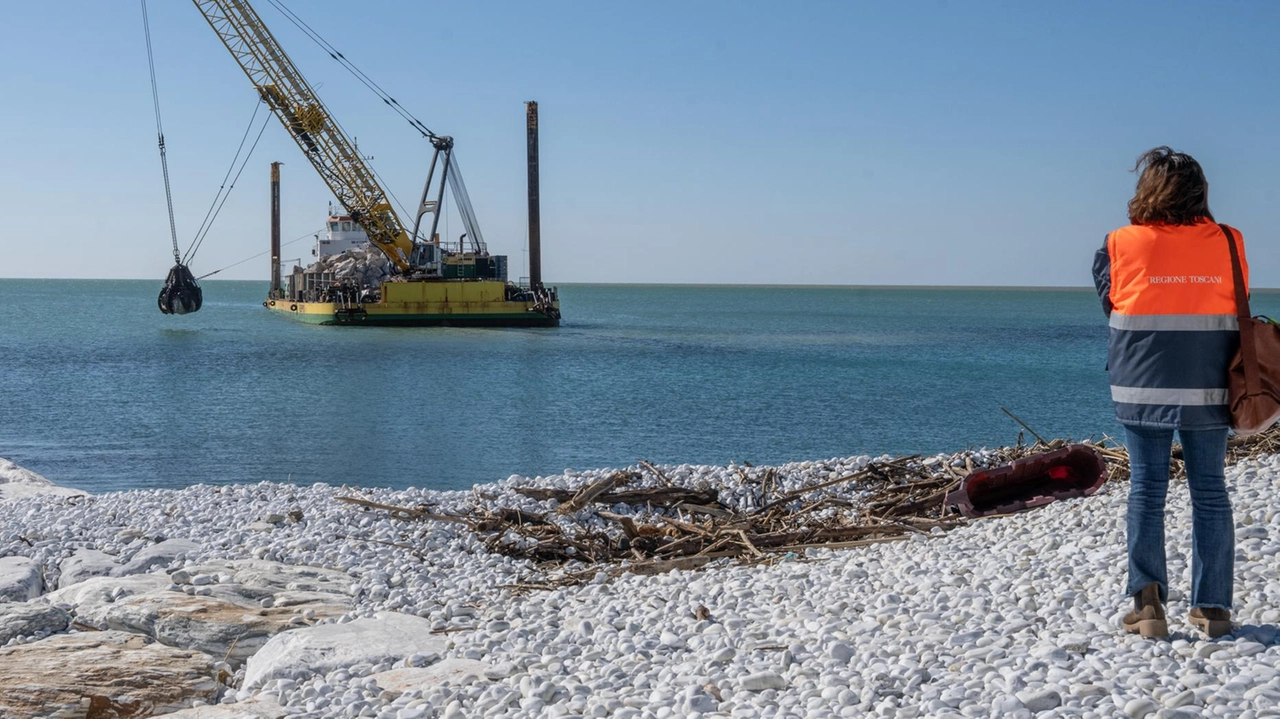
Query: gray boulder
point(88, 601)
point(20, 579)
point(231, 610)
point(85, 564)
point(27, 618)
point(156, 556)
point(325, 648)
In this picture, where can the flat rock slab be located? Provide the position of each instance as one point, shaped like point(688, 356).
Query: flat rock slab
point(269, 576)
point(85, 564)
point(261, 708)
point(156, 556)
point(227, 619)
point(101, 675)
point(226, 623)
point(19, 483)
point(454, 671)
point(89, 600)
point(322, 649)
point(20, 579)
point(27, 618)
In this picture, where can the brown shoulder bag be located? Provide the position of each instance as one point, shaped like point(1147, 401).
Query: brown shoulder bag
point(1253, 379)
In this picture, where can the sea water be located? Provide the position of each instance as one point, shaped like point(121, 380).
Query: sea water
point(100, 391)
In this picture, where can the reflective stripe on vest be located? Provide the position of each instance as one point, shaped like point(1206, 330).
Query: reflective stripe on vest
point(1164, 395)
point(1173, 323)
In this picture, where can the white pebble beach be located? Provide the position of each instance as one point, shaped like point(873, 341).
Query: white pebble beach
point(1016, 616)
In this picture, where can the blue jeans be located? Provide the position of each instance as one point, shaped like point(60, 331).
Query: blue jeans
point(1212, 528)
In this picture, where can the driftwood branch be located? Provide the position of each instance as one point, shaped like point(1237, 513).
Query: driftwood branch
point(656, 473)
point(589, 493)
point(411, 512)
point(656, 496)
point(684, 528)
point(1025, 426)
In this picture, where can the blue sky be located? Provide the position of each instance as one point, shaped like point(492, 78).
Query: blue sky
point(958, 143)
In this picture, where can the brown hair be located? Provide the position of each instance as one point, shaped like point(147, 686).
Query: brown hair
point(1171, 189)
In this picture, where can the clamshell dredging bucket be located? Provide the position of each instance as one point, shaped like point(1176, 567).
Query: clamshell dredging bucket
point(181, 293)
point(1030, 482)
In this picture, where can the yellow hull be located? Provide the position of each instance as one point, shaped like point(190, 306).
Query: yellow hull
point(454, 303)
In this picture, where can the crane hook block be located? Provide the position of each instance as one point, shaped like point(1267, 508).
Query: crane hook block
point(180, 294)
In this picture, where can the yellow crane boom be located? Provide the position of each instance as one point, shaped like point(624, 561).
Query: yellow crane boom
point(296, 105)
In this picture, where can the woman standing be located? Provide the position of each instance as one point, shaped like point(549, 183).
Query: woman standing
point(1166, 286)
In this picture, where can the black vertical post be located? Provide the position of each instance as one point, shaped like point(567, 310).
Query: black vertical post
point(275, 228)
point(535, 219)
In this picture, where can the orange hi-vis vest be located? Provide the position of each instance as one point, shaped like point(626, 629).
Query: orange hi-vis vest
point(1170, 298)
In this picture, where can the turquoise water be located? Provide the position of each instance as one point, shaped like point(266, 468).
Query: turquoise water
point(100, 391)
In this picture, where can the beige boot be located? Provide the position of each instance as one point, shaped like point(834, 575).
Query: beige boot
point(1147, 617)
point(1211, 620)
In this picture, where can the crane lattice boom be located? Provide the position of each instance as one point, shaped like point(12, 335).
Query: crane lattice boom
point(330, 151)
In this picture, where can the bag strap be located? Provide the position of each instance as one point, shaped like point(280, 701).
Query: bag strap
point(1237, 276)
point(1244, 318)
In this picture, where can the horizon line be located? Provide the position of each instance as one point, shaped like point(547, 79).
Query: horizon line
point(726, 285)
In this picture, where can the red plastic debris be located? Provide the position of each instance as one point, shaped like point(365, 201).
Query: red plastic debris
point(1030, 482)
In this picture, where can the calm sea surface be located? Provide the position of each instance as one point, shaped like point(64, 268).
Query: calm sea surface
point(100, 391)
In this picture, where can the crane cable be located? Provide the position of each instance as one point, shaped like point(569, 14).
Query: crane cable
point(464, 204)
point(356, 72)
point(199, 240)
point(164, 161)
point(224, 191)
point(364, 79)
point(260, 254)
point(215, 208)
point(181, 293)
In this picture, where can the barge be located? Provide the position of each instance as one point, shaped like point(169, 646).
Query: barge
point(353, 282)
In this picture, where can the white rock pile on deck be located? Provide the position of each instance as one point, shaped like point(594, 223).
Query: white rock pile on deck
point(365, 265)
point(273, 600)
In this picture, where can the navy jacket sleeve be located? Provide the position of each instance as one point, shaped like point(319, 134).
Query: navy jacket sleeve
point(1102, 276)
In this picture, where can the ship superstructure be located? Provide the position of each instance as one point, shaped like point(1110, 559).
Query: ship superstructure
point(341, 233)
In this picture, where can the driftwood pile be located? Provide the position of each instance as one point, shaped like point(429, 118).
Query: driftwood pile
point(673, 527)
